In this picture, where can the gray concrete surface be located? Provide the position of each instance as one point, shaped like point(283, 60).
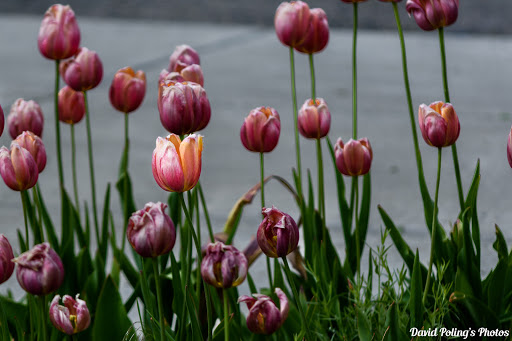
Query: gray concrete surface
point(245, 67)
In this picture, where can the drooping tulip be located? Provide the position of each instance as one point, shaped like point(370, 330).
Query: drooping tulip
point(182, 57)
point(18, 168)
point(35, 146)
point(25, 115)
point(439, 124)
point(127, 90)
point(84, 71)
point(71, 105)
point(2, 121)
point(314, 119)
point(59, 35)
point(317, 35)
point(260, 130)
point(177, 164)
point(6, 256)
point(72, 317)
point(433, 14)
point(353, 158)
point(223, 266)
point(291, 22)
point(264, 317)
point(509, 148)
point(278, 234)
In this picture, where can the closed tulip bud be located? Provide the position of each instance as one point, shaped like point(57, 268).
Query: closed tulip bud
point(223, 266)
point(183, 56)
point(261, 129)
point(59, 35)
point(433, 14)
point(6, 256)
point(292, 22)
point(72, 317)
point(151, 231)
point(84, 71)
point(40, 270)
point(18, 168)
point(71, 105)
point(264, 317)
point(314, 119)
point(353, 158)
point(2, 121)
point(35, 146)
point(127, 89)
point(317, 35)
point(509, 148)
point(25, 115)
point(177, 164)
point(278, 234)
point(439, 124)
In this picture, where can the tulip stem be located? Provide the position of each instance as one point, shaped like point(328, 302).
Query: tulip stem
point(226, 314)
point(159, 298)
point(262, 191)
point(295, 113)
point(434, 227)
point(321, 195)
point(313, 83)
point(24, 204)
point(125, 181)
point(194, 235)
point(57, 125)
point(42, 306)
point(356, 218)
point(73, 165)
point(354, 75)
point(206, 214)
point(37, 200)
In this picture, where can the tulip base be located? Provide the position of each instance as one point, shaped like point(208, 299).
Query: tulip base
point(159, 298)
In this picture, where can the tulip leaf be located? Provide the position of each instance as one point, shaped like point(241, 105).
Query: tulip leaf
point(500, 245)
point(32, 218)
point(364, 328)
point(17, 316)
point(103, 243)
point(364, 213)
point(495, 290)
point(48, 224)
point(415, 301)
point(393, 332)
point(21, 241)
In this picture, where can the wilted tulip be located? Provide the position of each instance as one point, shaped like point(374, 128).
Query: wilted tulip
point(260, 130)
point(35, 146)
point(439, 124)
point(314, 119)
point(433, 14)
point(72, 317)
point(278, 234)
point(2, 121)
point(71, 105)
point(177, 164)
point(223, 266)
point(59, 35)
point(127, 89)
point(18, 168)
point(264, 317)
point(184, 107)
point(25, 115)
point(84, 71)
point(182, 57)
point(40, 270)
point(6, 256)
point(151, 231)
point(317, 35)
point(291, 22)
point(353, 158)
point(509, 148)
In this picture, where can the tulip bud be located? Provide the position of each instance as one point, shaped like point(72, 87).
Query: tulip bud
point(84, 71)
point(72, 317)
point(184, 107)
point(264, 317)
point(25, 115)
point(261, 129)
point(278, 234)
point(151, 231)
point(353, 158)
point(40, 270)
point(18, 168)
point(292, 22)
point(127, 89)
point(223, 266)
point(439, 124)
point(314, 119)
point(433, 14)
point(71, 105)
point(177, 164)
point(35, 146)
point(183, 56)
point(509, 148)
point(1, 121)
point(192, 73)
point(6, 256)
point(59, 35)
point(317, 35)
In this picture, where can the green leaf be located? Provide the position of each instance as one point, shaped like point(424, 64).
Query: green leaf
point(47, 222)
point(124, 187)
point(415, 301)
point(500, 245)
point(393, 332)
point(495, 291)
point(364, 328)
point(103, 243)
point(364, 213)
point(17, 314)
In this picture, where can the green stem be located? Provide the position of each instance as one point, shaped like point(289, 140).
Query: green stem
point(42, 305)
point(57, 125)
point(191, 224)
point(198, 227)
point(313, 83)
point(208, 310)
point(262, 191)
point(37, 200)
point(73, 165)
point(24, 204)
point(321, 195)
point(295, 113)
point(226, 315)
point(434, 227)
point(354, 76)
point(206, 214)
point(125, 182)
point(159, 298)
point(74, 337)
point(356, 217)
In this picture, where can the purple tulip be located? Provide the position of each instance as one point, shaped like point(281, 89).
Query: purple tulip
point(292, 22)
point(317, 35)
point(2, 121)
point(260, 130)
point(59, 35)
point(25, 115)
point(127, 90)
point(314, 119)
point(71, 105)
point(6, 256)
point(353, 158)
point(223, 266)
point(264, 317)
point(433, 14)
point(84, 71)
point(35, 146)
point(18, 167)
point(278, 234)
point(182, 57)
point(72, 317)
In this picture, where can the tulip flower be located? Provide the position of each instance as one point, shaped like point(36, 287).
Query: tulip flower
point(72, 317)
point(127, 89)
point(353, 158)
point(314, 119)
point(71, 105)
point(278, 234)
point(151, 231)
point(191, 73)
point(439, 124)
point(25, 115)
point(433, 14)
point(264, 317)
point(59, 35)
point(182, 57)
point(317, 35)
point(260, 130)
point(40, 270)
point(84, 71)
point(223, 266)
point(177, 164)
point(292, 22)
point(18, 168)
point(2, 121)
point(509, 148)
point(184, 107)
point(35, 146)
point(6, 256)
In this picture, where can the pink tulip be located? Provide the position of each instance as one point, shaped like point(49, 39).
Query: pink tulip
point(35, 146)
point(260, 130)
point(314, 119)
point(59, 35)
point(278, 234)
point(433, 14)
point(353, 158)
point(509, 148)
point(2, 121)
point(191, 73)
point(264, 317)
point(25, 115)
point(182, 57)
point(71, 105)
point(6, 256)
point(291, 22)
point(439, 124)
point(127, 90)
point(223, 266)
point(18, 168)
point(317, 35)
point(72, 317)
point(84, 71)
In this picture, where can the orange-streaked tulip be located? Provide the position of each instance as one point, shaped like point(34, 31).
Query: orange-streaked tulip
point(191, 73)
point(292, 22)
point(177, 164)
point(353, 158)
point(71, 105)
point(439, 124)
point(2, 121)
point(260, 130)
point(223, 266)
point(6, 256)
point(84, 71)
point(35, 146)
point(433, 14)
point(25, 115)
point(72, 317)
point(314, 119)
point(128, 89)
point(509, 148)
point(278, 234)
point(182, 57)
point(59, 35)
point(264, 317)
point(18, 168)
point(317, 35)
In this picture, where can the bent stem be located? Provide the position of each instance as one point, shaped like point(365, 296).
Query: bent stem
point(434, 227)
point(73, 165)
point(24, 204)
point(262, 191)
point(57, 125)
point(226, 315)
point(159, 298)
point(297, 141)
